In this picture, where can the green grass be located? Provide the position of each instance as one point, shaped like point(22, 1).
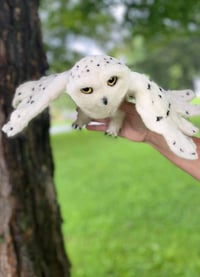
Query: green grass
point(127, 211)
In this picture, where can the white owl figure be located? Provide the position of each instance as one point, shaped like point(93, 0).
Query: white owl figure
point(98, 85)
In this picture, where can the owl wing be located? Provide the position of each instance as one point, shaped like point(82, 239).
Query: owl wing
point(165, 112)
point(31, 98)
point(181, 102)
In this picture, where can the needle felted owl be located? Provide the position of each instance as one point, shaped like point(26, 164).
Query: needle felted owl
point(98, 85)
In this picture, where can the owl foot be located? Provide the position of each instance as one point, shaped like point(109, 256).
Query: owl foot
point(77, 126)
point(111, 133)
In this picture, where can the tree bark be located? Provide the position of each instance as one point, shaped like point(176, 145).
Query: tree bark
point(31, 243)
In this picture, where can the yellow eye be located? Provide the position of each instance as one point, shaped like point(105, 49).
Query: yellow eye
point(87, 90)
point(112, 81)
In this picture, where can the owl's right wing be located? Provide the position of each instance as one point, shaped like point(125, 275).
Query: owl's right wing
point(31, 98)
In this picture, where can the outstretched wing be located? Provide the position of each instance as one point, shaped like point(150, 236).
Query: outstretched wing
point(181, 102)
point(31, 98)
point(165, 112)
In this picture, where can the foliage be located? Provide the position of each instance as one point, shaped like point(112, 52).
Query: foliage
point(68, 24)
point(161, 19)
point(111, 23)
point(168, 35)
point(127, 211)
point(175, 65)
point(158, 37)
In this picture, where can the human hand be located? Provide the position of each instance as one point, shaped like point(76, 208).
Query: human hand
point(133, 127)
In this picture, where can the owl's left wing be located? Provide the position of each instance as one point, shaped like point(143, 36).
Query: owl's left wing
point(165, 112)
point(31, 98)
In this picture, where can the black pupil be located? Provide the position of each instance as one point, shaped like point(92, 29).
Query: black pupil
point(86, 89)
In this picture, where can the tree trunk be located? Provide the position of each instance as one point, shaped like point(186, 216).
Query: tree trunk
point(30, 225)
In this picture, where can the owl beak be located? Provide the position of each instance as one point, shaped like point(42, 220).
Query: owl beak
point(105, 101)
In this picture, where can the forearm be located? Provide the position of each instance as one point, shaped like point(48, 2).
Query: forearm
point(190, 166)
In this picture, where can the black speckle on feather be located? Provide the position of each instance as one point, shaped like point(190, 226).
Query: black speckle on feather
point(158, 118)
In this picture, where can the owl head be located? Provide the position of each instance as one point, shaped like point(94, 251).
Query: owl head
point(98, 84)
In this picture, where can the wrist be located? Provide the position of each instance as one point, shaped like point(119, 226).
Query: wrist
point(153, 139)
point(190, 166)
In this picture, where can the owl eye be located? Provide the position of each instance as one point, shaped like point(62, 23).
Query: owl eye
point(87, 90)
point(112, 81)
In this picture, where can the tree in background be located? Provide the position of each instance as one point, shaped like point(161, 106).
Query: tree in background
point(31, 243)
point(162, 21)
point(175, 65)
point(140, 31)
point(169, 31)
point(70, 24)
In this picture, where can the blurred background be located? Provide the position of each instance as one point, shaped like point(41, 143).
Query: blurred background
point(127, 211)
point(156, 37)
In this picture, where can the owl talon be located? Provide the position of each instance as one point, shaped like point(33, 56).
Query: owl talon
point(76, 126)
point(110, 134)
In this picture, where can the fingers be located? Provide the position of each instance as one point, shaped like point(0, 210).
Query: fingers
point(100, 121)
point(100, 125)
point(128, 107)
point(96, 128)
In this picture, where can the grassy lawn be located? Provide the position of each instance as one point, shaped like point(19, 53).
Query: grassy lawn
point(127, 211)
